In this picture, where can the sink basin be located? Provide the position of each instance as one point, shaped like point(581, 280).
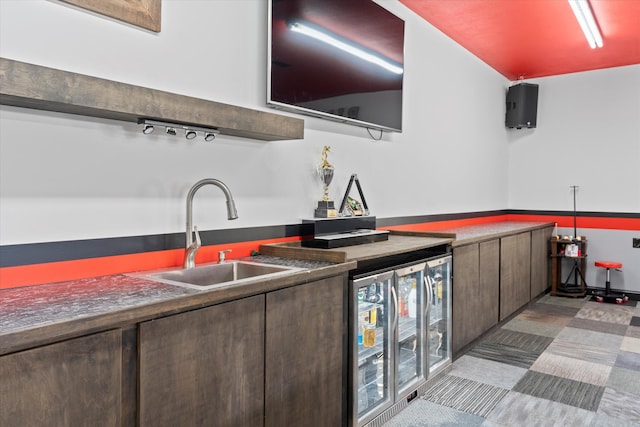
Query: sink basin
point(214, 275)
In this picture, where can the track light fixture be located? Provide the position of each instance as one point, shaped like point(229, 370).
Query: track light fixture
point(190, 132)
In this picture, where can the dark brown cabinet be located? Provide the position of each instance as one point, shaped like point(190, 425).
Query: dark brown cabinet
point(71, 383)
point(275, 356)
point(540, 261)
point(493, 279)
point(204, 367)
point(515, 273)
point(305, 347)
point(476, 269)
point(274, 359)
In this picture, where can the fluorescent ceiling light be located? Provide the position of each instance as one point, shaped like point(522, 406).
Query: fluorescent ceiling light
point(587, 22)
point(326, 36)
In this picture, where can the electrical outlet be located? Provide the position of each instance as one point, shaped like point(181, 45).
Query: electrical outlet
point(636, 242)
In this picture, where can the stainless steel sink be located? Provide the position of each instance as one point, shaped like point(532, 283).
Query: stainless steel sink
point(217, 275)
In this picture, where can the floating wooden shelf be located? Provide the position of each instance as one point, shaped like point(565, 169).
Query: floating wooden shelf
point(41, 88)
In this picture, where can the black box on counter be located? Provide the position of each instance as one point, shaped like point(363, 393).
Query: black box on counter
point(327, 233)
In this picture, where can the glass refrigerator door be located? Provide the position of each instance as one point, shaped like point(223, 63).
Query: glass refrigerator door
point(411, 326)
point(439, 285)
point(373, 376)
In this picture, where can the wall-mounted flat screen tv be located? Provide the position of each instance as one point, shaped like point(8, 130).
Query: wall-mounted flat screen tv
point(337, 59)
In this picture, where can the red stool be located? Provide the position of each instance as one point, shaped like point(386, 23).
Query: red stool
point(607, 295)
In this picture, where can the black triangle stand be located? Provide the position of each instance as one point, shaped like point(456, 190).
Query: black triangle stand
point(354, 177)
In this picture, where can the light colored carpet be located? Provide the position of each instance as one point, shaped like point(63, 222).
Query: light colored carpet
point(611, 313)
point(624, 380)
point(620, 404)
point(573, 369)
point(486, 371)
point(602, 355)
point(590, 338)
point(421, 413)
point(560, 362)
point(546, 316)
point(531, 327)
point(522, 410)
point(630, 344)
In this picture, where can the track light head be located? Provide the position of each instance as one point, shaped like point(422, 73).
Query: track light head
point(190, 133)
point(209, 136)
point(171, 131)
point(147, 129)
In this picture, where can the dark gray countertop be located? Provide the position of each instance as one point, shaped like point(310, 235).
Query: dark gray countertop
point(35, 314)
point(478, 233)
point(32, 306)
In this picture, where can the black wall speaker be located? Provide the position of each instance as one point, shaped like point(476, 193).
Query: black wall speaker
point(522, 106)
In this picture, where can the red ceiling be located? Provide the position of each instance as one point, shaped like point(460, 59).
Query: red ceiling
point(536, 38)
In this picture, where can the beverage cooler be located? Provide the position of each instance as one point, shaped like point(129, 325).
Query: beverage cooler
point(399, 334)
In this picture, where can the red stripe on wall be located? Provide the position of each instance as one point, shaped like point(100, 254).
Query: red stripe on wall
point(26, 275)
point(605, 223)
point(444, 225)
point(11, 277)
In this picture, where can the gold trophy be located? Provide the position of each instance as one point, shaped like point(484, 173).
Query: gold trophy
point(326, 208)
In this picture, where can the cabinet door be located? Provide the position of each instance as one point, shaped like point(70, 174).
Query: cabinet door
point(475, 295)
point(515, 273)
point(204, 367)
point(306, 355)
point(466, 267)
point(540, 261)
point(488, 314)
point(71, 383)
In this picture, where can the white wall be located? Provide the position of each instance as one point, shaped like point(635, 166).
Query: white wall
point(588, 135)
point(65, 177)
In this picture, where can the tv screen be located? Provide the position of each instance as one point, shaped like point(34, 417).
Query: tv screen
point(337, 59)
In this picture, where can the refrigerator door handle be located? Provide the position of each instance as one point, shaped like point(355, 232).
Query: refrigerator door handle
point(427, 314)
point(428, 289)
point(395, 308)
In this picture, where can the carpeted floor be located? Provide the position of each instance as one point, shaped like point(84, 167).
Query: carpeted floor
point(561, 362)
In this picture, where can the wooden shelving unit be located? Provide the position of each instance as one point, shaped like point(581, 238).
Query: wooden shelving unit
point(41, 88)
point(558, 258)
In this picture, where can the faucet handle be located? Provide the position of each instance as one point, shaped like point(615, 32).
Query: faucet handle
point(221, 256)
point(190, 253)
point(197, 234)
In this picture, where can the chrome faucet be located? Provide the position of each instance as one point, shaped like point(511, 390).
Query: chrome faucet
point(191, 246)
point(222, 256)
